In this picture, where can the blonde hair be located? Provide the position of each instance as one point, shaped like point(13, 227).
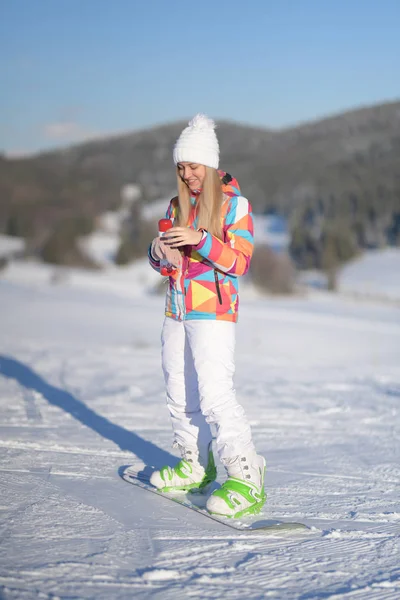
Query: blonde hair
point(209, 203)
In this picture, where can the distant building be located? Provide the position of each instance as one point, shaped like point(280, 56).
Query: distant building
point(272, 231)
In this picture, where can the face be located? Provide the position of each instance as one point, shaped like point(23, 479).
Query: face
point(192, 174)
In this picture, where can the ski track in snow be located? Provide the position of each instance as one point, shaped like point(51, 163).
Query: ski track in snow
point(81, 395)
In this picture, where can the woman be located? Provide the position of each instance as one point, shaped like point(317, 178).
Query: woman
point(211, 244)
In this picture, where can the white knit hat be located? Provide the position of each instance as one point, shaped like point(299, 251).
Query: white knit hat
point(198, 143)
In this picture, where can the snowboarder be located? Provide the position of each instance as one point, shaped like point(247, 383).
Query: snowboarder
point(210, 244)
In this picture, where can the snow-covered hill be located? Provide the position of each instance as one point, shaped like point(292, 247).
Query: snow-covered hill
point(376, 274)
point(82, 394)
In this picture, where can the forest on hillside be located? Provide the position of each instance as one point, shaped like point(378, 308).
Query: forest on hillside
point(337, 181)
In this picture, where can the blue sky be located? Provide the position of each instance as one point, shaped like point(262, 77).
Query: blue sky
point(75, 69)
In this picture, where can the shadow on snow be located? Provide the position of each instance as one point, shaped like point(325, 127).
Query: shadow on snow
point(149, 453)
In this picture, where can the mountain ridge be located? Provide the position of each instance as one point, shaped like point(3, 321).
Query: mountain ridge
point(345, 167)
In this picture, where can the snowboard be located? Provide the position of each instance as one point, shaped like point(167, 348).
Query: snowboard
point(197, 502)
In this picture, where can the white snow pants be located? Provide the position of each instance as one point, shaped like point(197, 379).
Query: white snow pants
point(198, 364)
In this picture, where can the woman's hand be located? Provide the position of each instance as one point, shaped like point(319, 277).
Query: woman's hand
point(160, 250)
point(182, 236)
point(157, 249)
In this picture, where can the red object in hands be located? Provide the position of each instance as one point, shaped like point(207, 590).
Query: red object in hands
point(164, 225)
point(166, 269)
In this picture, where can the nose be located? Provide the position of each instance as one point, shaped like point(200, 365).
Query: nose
point(187, 171)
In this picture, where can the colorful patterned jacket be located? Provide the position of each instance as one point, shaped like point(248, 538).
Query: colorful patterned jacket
point(206, 287)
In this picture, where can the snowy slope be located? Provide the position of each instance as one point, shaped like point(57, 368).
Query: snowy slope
point(375, 274)
point(81, 395)
point(132, 280)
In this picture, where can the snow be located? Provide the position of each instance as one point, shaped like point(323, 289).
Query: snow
point(10, 246)
point(272, 231)
point(374, 276)
point(101, 247)
point(109, 222)
point(130, 281)
point(375, 273)
point(153, 211)
point(82, 395)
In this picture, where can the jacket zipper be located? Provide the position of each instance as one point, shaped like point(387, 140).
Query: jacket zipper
point(217, 286)
point(182, 280)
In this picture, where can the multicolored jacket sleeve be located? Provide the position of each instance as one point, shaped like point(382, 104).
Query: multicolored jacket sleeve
point(232, 256)
point(168, 215)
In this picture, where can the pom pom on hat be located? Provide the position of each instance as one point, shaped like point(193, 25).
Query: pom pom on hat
point(201, 121)
point(198, 143)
